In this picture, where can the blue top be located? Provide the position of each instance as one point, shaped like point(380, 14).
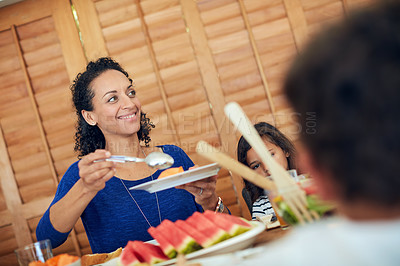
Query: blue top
point(112, 218)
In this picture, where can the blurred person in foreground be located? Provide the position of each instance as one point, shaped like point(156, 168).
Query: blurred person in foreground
point(349, 76)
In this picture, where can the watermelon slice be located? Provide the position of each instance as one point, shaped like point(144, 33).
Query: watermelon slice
point(150, 253)
point(208, 228)
point(165, 245)
point(200, 238)
point(128, 257)
point(232, 224)
point(182, 241)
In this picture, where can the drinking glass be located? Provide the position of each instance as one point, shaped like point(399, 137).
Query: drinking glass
point(38, 251)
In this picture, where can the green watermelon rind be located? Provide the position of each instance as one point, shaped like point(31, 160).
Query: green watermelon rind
point(216, 239)
point(188, 245)
point(238, 230)
point(199, 237)
point(223, 235)
point(155, 260)
point(171, 254)
point(219, 236)
point(235, 229)
point(168, 250)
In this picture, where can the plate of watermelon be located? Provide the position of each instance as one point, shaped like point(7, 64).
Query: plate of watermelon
point(236, 243)
point(200, 235)
point(179, 178)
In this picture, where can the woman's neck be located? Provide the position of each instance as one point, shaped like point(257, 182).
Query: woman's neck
point(124, 146)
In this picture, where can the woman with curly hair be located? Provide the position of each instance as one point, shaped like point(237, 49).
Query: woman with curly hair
point(110, 121)
point(283, 151)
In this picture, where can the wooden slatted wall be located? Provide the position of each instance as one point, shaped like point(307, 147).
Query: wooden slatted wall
point(40, 53)
point(188, 58)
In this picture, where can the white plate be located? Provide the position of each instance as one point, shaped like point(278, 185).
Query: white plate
point(180, 178)
point(113, 262)
point(233, 258)
point(236, 243)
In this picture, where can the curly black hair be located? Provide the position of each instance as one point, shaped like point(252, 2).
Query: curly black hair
point(89, 138)
point(273, 135)
point(349, 76)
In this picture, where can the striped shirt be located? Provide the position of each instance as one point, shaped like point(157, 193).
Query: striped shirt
point(262, 207)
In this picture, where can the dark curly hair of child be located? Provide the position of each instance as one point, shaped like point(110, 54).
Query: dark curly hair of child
point(89, 138)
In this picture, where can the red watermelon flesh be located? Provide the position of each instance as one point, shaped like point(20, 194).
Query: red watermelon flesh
point(200, 238)
point(128, 257)
point(165, 245)
point(182, 241)
point(232, 224)
point(238, 220)
point(150, 253)
point(208, 228)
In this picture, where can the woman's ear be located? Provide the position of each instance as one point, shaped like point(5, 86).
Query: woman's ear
point(89, 117)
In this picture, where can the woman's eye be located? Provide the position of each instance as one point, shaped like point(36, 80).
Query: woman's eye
point(273, 154)
point(255, 166)
point(132, 93)
point(112, 99)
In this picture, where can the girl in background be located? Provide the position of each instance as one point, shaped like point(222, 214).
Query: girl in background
point(281, 149)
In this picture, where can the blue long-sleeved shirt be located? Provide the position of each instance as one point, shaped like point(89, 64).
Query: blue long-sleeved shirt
point(112, 218)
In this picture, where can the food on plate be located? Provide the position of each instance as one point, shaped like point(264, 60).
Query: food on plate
point(232, 224)
point(37, 263)
point(171, 171)
point(313, 202)
point(150, 253)
point(130, 258)
point(200, 238)
point(59, 260)
point(270, 221)
point(97, 258)
point(63, 259)
point(182, 241)
point(211, 230)
point(201, 230)
point(164, 243)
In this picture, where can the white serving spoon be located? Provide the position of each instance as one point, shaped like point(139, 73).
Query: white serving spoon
point(155, 159)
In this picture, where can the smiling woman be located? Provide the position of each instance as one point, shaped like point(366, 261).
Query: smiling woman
point(115, 107)
point(85, 101)
point(110, 121)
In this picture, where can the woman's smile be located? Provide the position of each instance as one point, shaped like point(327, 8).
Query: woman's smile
point(116, 109)
point(130, 117)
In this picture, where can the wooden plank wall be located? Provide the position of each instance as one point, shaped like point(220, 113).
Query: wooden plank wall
point(188, 58)
point(40, 53)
